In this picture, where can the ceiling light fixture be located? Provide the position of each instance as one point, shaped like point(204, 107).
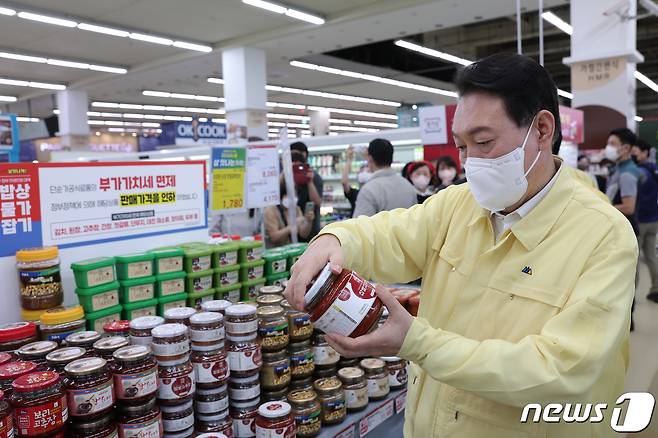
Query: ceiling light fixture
point(158, 108)
point(352, 129)
point(646, 81)
point(27, 119)
point(431, 52)
point(7, 11)
point(104, 30)
point(557, 22)
point(47, 19)
point(215, 80)
point(151, 39)
point(43, 85)
point(354, 112)
point(284, 10)
point(379, 124)
point(62, 63)
point(154, 93)
point(192, 46)
point(8, 99)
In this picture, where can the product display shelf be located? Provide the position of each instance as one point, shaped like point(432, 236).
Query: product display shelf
point(381, 419)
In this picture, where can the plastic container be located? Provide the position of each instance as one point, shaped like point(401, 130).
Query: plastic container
point(17, 334)
point(167, 260)
point(97, 298)
point(229, 293)
point(40, 407)
point(225, 254)
point(196, 299)
point(227, 275)
point(132, 266)
point(31, 315)
point(171, 302)
point(294, 253)
point(141, 308)
point(200, 281)
point(89, 388)
point(276, 262)
point(140, 329)
point(345, 304)
point(197, 259)
point(277, 279)
point(252, 270)
point(249, 289)
point(250, 250)
point(97, 320)
point(137, 290)
point(275, 419)
point(56, 324)
point(169, 284)
point(94, 272)
point(39, 277)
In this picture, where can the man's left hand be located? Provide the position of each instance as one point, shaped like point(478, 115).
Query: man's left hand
point(385, 341)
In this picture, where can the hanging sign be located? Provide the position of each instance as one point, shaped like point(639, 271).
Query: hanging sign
point(433, 126)
point(228, 178)
point(262, 176)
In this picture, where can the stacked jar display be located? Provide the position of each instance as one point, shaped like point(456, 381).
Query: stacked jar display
point(39, 279)
point(252, 268)
point(169, 278)
point(245, 361)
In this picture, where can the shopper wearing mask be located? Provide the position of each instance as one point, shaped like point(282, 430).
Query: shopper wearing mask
point(311, 192)
point(446, 172)
point(527, 275)
point(277, 229)
point(363, 176)
point(419, 174)
point(386, 189)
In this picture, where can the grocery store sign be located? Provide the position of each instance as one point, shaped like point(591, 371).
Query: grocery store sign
point(193, 133)
point(228, 178)
point(73, 204)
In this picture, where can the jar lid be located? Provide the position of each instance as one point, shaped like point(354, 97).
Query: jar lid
point(17, 330)
point(270, 312)
point(138, 410)
point(247, 379)
point(65, 355)
point(146, 322)
point(274, 409)
point(269, 300)
point(180, 313)
point(302, 396)
point(31, 315)
point(84, 366)
point(169, 330)
point(82, 337)
point(286, 305)
point(61, 315)
point(132, 353)
point(39, 348)
point(272, 289)
point(327, 384)
point(318, 283)
point(241, 310)
point(177, 408)
point(87, 428)
point(107, 345)
point(390, 358)
point(241, 338)
point(212, 435)
point(206, 318)
point(13, 370)
point(211, 347)
point(350, 374)
point(37, 254)
point(211, 391)
point(216, 306)
point(35, 381)
point(116, 326)
point(244, 404)
point(372, 364)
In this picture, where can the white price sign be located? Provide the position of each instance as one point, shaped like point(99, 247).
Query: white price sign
point(401, 401)
point(262, 176)
point(376, 417)
point(432, 122)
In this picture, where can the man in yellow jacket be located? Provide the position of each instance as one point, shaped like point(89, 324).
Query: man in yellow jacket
point(527, 275)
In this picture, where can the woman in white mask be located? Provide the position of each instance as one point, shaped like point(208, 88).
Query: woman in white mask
point(446, 172)
point(420, 174)
point(277, 229)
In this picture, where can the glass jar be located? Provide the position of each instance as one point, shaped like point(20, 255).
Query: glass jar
point(11, 371)
point(280, 395)
point(272, 328)
point(271, 290)
point(6, 417)
point(143, 420)
point(176, 382)
point(5, 358)
point(179, 315)
point(300, 327)
point(210, 366)
point(397, 372)
point(17, 334)
point(117, 328)
point(61, 357)
point(323, 353)
point(306, 411)
point(140, 329)
point(244, 388)
point(332, 400)
point(59, 322)
point(244, 415)
point(39, 277)
point(106, 347)
point(269, 300)
point(346, 362)
point(345, 303)
point(217, 306)
point(301, 385)
point(325, 371)
point(36, 351)
point(218, 422)
point(84, 339)
point(206, 328)
point(355, 387)
point(209, 401)
point(39, 402)
point(241, 319)
point(377, 377)
point(301, 360)
point(170, 342)
point(135, 375)
point(244, 354)
point(177, 418)
point(275, 373)
point(275, 420)
point(102, 427)
point(89, 389)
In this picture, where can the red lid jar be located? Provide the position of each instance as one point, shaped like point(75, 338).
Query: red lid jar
point(6, 419)
point(117, 328)
point(40, 408)
point(14, 335)
point(275, 419)
point(12, 371)
point(89, 388)
point(344, 303)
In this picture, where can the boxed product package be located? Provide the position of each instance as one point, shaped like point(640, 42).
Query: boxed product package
point(252, 270)
point(96, 320)
point(229, 293)
point(170, 302)
point(199, 281)
point(95, 299)
point(94, 272)
point(227, 275)
point(140, 308)
point(168, 260)
point(132, 266)
point(170, 284)
point(139, 289)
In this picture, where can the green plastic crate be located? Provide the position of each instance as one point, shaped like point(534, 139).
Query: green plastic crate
point(170, 302)
point(198, 259)
point(95, 299)
point(96, 320)
point(94, 272)
point(294, 253)
point(132, 266)
point(249, 290)
point(225, 254)
point(138, 290)
point(168, 260)
point(229, 293)
point(227, 275)
point(199, 281)
point(142, 308)
point(276, 279)
point(276, 262)
point(252, 270)
point(195, 299)
point(170, 284)
point(250, 250)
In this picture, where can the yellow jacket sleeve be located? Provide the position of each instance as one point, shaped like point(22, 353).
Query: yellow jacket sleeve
point(563, 361)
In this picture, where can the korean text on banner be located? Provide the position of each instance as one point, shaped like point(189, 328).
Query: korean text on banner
point(20, 213)
point(263, 176)
point(228, 178)
point(433, 126)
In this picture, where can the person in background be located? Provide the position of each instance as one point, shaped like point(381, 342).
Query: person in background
point(583, 166)
point(311, 192)
point(420, 174)
point(363, 176)
point(647, 213)
point(277, 229)
point(386, 190)
point(447, 173)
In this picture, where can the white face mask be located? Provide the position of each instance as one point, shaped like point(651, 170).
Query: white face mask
point(364, 177)
point(421, 182)
point(447, 174)
point(498, 183)
point(611, 153)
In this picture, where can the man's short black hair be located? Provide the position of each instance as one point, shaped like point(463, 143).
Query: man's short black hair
point(299, 146)
point(381, 151)
point(643, 145)
point(297, 156)
point(524, 85)
point(625, 135)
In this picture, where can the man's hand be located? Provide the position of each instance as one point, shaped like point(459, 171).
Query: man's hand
point(309, 215)
point(385, 341)
point(349, 153)
point(325, 248)
point(309, 175)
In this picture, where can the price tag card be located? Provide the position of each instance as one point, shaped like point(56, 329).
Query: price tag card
point(401, 401)
point(228, 178)
point(348, 432)
point(262, 176)
point(376, 417)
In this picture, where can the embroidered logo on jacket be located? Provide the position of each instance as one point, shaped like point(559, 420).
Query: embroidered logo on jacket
point(527, 270)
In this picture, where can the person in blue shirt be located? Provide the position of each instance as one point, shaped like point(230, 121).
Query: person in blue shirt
point(647, 212)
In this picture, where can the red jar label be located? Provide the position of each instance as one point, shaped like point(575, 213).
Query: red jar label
point(177, 387)
point(245, 360)
point(6, 427)
point(129, 386)
point(287, 431)
point(149, 429)
point(211, 372)
point(244, 428)
point(41, 419)
point(84, 402)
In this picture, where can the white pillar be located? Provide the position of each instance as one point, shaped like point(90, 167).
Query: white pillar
point(73, 122)
point(604, 56)
point(245, 77)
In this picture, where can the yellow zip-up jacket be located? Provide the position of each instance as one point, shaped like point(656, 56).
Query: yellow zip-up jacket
point(542, 316)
